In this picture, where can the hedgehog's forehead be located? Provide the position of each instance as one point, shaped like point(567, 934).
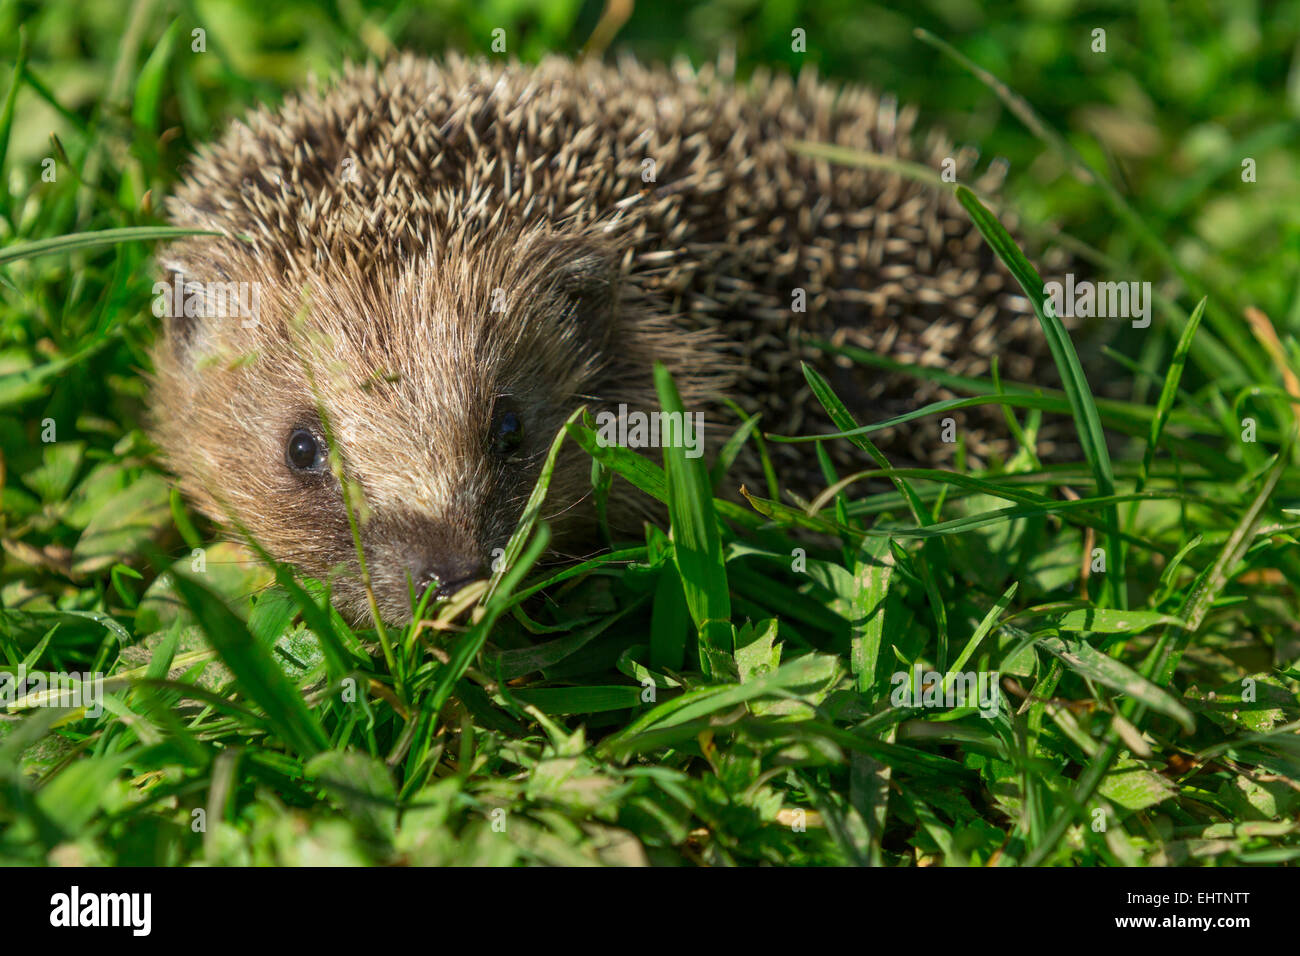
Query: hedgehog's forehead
point(400, 357)
point(417, 396)
point(424, 314)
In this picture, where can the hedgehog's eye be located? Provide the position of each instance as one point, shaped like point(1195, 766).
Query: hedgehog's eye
point(303, 453)
point(507, 432)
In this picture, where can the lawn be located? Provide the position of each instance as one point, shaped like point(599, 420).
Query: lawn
point(729, 693)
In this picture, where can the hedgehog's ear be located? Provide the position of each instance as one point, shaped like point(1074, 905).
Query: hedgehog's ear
point(586, 278)
point(184, 333)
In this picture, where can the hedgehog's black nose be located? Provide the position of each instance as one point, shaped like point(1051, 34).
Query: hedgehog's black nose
point(449, 576)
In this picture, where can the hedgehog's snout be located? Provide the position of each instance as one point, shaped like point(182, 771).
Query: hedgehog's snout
point(410, 552)
point(448, 573)
point(443, 561)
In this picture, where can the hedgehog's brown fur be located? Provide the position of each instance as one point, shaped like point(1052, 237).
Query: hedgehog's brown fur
point(386, 216)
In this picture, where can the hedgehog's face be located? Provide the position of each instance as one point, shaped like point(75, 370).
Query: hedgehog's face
point(434, 409)
point(440, 479)
point(431, 512)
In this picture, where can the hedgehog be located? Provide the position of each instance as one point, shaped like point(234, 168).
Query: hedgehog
point(447, 257)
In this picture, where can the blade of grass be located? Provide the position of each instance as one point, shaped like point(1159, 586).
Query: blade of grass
point(1168, 392)
point(254, 668)
point(528, 519)
point(636, 469)
point(871, 575)
point(936, 555)
point(94, 240)
point(729, 451)
point(1084, 409)
point(469, 645)
point(1085, 660)
point(149, 84)
point(697, 546)
point(7, 115)
point(952, 404)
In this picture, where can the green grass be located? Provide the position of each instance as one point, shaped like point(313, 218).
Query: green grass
point(721, 691)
